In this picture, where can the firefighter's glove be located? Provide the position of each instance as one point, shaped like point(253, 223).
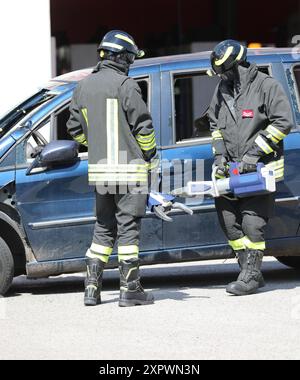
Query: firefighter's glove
point(248, 164)
point(221, 163)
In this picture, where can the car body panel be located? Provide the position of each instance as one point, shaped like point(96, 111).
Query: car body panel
point(48, 202)
point(7, 177)
point(6, 144)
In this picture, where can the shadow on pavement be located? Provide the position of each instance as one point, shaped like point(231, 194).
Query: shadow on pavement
point(169, 282)
point(160, 295)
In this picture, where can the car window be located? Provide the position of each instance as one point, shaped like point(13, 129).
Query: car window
point(55, 126)
point(144, 86)
point(293, 80)
point(18, 113)
point(297, 77)
point(192, 96)
point(38, 139)
point(295, 90)
point(59, 123)
point(44, 131)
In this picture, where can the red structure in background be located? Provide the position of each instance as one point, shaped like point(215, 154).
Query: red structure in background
point(83, 19)
point(173, 22)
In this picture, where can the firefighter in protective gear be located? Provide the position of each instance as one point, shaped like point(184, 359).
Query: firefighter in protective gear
point(250, 116)
point(109, 115)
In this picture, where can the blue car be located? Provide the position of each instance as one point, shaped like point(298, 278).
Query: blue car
point(47, 211)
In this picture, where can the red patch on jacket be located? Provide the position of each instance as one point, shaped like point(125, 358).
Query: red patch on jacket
point(248, 114)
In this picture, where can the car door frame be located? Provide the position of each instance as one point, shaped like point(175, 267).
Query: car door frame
point(167, 81)
point(206, 207)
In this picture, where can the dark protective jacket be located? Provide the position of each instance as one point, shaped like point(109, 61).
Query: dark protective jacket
point(251, 120)
point(109, 115)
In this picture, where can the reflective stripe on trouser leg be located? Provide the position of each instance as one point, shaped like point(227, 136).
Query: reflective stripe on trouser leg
point(261, 246)
point(99, 252)
point(128, 252)
point(131, 208)
point(237, 245)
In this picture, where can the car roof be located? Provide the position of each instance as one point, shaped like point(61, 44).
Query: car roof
point(77, 76)
point(206, 55)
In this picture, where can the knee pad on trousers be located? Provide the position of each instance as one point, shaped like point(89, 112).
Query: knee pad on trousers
point(254, 227)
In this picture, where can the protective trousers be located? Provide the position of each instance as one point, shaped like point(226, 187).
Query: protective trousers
point(244, 221)
point(118, 218)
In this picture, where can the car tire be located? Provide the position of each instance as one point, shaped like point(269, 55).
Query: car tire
point(6, 268)
point(291, 262)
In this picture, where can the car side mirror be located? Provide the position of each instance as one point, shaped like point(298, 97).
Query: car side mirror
point(57, 153)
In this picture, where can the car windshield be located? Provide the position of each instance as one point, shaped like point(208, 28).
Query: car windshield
point(19, 112)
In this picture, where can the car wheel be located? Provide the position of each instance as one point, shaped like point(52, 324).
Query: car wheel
point(6, 268)
point(292, 262)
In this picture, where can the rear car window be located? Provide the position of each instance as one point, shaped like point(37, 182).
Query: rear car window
point(297, 80)
point(297, 77)
point(193, 93)
point(293, 77)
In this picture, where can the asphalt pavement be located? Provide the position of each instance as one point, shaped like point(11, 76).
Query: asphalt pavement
point(193, 317)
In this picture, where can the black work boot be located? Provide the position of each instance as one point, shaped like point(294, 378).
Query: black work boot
point(251, 278)
point(131, 291)
point(243, 261)
point(93, 282)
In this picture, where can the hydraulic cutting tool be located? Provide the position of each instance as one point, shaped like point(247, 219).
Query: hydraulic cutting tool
point(260, 182)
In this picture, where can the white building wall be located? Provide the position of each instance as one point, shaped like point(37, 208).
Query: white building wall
point(25, 43)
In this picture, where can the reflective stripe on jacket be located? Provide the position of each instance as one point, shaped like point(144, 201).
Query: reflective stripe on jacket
point(109, 114)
